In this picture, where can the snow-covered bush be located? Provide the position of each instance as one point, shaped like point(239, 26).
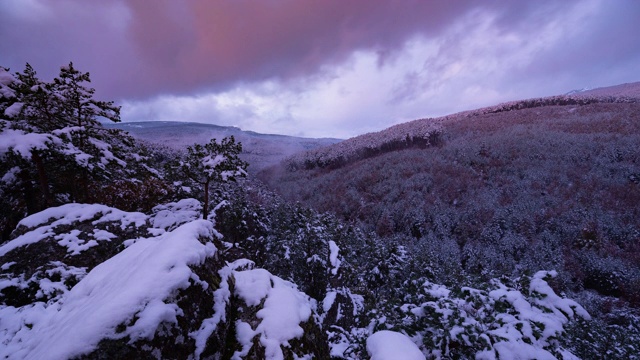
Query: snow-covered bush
point(522, 318)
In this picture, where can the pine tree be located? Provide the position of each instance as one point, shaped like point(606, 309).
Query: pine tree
point(211, 163)
point(55, 148)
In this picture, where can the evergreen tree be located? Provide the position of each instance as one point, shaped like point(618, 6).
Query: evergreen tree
point(55, 150)
point(213, 162)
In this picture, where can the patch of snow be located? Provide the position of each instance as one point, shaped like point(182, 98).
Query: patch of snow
point(11, 176)
point(391, 345)
point(252, 286)
point(74, 244)
point(328, 300)
point(13, 110)
point(284, 309)
point(244, 335)
point(333, 257)
point(171, 215)
point(436, 290)
point(6, 266)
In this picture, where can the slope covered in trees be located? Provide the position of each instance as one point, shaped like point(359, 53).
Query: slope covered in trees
point(507, 190)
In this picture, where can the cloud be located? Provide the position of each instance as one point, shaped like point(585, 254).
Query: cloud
point(175, 47)
point(322, 68)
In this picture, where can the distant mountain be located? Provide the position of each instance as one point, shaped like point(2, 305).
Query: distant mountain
point(260, 150)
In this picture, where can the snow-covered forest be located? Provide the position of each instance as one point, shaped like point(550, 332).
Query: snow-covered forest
point(509, 232)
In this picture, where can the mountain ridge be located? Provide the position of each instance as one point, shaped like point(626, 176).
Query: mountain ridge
point(427, 131)
point(260, 150)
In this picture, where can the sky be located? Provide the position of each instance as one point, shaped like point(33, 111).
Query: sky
point(323, 68)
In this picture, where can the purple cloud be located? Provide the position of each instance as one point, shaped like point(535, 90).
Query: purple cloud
point(140, 50)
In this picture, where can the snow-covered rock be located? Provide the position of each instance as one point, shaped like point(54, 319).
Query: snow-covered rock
point(94, 281)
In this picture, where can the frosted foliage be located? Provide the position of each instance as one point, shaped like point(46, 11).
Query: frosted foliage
point(169, 216)
point(521, 319)
point(5, 80)
point(23, 143)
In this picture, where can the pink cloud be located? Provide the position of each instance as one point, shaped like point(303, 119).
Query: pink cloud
point(215, 43)
point(139, 49)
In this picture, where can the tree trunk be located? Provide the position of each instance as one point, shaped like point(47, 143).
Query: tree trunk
point(42, 179)
point(28, 193)
point(205, 206)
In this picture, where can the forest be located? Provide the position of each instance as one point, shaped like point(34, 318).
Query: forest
point(504, 232)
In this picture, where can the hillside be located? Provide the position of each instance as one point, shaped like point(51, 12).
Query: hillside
point(259, 150)
point(549, 183)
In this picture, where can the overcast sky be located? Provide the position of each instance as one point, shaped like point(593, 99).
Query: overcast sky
point(323, 68)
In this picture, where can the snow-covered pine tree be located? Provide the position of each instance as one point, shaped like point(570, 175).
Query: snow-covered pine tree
point(211, 163)
point(54, 149)
point(79, 106)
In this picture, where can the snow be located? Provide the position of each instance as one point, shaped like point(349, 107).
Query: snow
point(337, 349)
point(66, 215)
point(329, 300)
point(391, 345)
point(5, 80)
point(69, 213)
point(436, 290)
point(171, 215)
point(7, 266)
point(517, 324)
point(209, 325)
point(50, 288)
point(133, 283)
point(333, 257)
point(13, 110)
point(284, 309)
point(74, 244)
point(102, 235)
point(107, 155)
point(244, 335)
point(253, 286)
point(23, 143)
point(550, 310)
point(210, 163)
point(11, 175)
